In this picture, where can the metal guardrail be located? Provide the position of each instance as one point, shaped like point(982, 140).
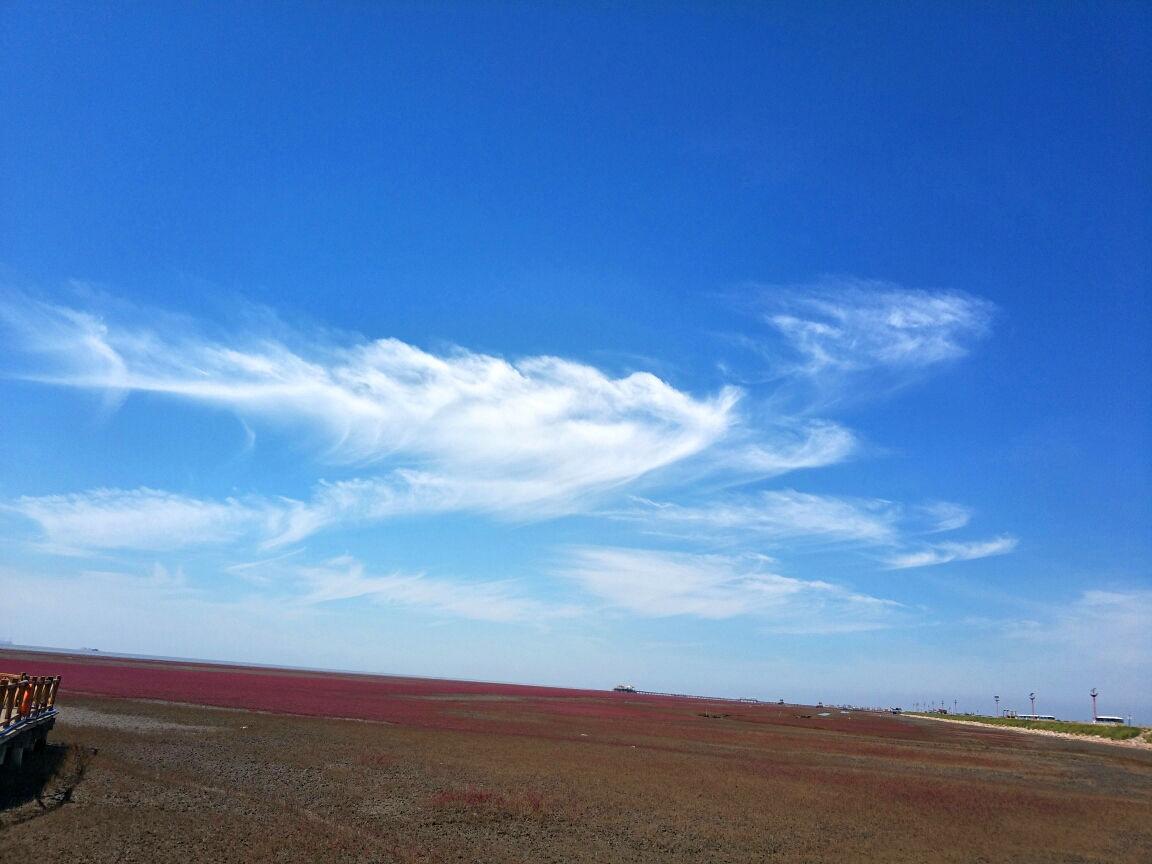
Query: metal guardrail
point(27, 714)
point(24, 698)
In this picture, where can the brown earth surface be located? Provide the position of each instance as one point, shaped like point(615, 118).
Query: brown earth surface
point(517, 777)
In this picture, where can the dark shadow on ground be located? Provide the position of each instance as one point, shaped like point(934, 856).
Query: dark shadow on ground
point(47, 777)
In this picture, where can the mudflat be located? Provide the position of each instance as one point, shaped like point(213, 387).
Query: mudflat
point(182, 762)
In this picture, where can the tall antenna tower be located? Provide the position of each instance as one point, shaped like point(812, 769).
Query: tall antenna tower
point(1093, 704)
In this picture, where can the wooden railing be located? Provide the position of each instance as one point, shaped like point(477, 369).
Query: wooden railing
point(24, 698)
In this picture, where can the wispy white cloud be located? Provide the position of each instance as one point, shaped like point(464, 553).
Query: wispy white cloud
point(942, 553)
point(155, 521)
point(263, 571)
point(152, 520)
point(812, 444)
point(1107, 631)
point(461, 431)
point(656, 584)
point(945, 516)
point(1115, 626)
point(778, 515)
point(157, 610)
point(145, 519)
point(546, 428)
point(344, 578)
point(850, 325)
point(409, 492)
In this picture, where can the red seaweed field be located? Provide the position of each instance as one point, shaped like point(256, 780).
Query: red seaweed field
point(191, 762)
point(396, 699)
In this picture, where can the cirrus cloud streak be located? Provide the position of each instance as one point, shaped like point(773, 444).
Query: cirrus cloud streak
point(657, 583)
point(851, 325)
point(943, 553)
point(563, 425)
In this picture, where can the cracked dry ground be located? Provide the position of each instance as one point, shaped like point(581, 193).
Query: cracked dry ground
point(136, 781)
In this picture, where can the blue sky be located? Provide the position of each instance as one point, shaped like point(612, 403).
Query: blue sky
point(791, 353)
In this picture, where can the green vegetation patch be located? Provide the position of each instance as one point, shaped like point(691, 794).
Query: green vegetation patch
point(1100, 730)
